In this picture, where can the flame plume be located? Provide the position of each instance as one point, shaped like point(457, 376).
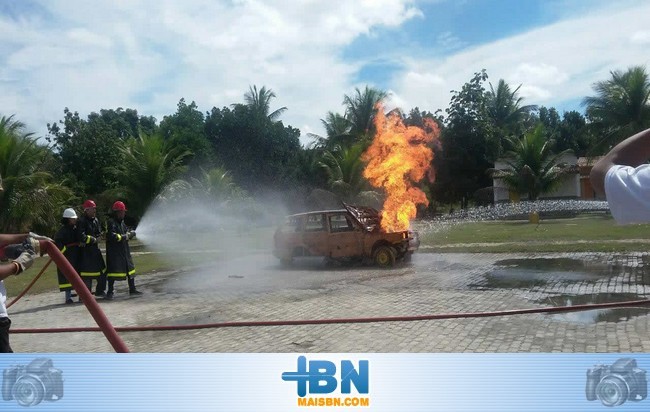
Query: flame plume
point(399, 157)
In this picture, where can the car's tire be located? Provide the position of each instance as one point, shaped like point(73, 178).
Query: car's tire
point(408, 256)
point(385, 256)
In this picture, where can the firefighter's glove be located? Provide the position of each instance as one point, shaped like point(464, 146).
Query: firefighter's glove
point(130, 234)
point(39, 237)
point(25, 261)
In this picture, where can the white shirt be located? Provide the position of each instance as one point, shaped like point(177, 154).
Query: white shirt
point(3, 299)
point(628, 193)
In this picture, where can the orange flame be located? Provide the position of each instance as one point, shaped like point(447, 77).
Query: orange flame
point(398, 157)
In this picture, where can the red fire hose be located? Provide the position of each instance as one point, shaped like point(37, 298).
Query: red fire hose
point(440, 316)
point(86, 297)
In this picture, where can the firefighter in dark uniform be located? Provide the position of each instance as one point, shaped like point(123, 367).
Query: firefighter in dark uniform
point(91, 261)
point(66, 240)
point(119, 263)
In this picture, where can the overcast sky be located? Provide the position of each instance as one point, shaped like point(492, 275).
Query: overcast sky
point(146, 55)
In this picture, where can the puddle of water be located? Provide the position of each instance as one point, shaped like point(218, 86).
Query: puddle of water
point(530, 273)
point(597, 315)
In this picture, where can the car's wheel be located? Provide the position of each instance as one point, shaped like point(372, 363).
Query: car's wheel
point(408, 257)
point(385, 256)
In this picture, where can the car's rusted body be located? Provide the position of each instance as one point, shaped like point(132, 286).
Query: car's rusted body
point(352, 232)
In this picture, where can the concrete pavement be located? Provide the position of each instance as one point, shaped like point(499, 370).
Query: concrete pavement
point(259, 289)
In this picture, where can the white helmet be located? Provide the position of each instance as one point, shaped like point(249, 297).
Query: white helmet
point(70, 213)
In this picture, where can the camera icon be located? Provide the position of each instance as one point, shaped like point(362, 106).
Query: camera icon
point(615, 384)
point(31, 384)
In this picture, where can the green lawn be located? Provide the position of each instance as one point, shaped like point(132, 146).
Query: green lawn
point(583, 233)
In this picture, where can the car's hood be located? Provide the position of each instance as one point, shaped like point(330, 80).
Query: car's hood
point(366, 216)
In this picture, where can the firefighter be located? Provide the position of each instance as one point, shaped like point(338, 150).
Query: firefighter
point(119, 263)
point(91, 261)
point(66, 240)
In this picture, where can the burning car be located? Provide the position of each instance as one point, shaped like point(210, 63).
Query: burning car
point(352, 232)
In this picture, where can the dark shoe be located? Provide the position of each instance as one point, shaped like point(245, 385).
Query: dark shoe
point(69, 301)
point(100, 294)
point(109, 296)
point(135, 292)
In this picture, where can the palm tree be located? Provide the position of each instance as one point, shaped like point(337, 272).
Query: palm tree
point(30, 199)
point(621, 106)
point(337, 133)
point(360, 110)
point(218, 185)
point(344, 171)
point(533, 168)
point(260, 102)
point(149, 165)
point(505, 113)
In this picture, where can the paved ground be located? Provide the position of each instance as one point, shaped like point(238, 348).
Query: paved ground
point(257, 288)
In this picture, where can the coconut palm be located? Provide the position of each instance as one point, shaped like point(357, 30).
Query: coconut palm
point(149, 165)
point(344, 171)
point(218, 185)
point(505, 112)
point(337, 133)
point(31, 198)
point(260, 102)
point(621, 106)
point(361, 108)
point(533, 168)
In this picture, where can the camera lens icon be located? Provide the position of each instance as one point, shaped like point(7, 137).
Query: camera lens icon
point(31, 384)
point(615, 384)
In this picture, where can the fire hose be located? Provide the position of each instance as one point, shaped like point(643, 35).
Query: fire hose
point(86, 297)
point(111, 332)
point(411, 318)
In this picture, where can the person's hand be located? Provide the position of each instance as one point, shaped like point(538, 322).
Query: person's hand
point(131, 234)
point(91, 240)
point(25, 261)
point(39, 237)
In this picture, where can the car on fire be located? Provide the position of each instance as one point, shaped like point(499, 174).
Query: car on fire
point(350, 233)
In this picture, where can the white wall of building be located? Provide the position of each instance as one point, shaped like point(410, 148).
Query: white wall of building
point(569, 188)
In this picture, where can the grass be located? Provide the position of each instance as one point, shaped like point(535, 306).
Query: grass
point(583, 233)
point(49, 280)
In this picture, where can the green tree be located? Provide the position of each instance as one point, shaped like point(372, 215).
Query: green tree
point(149, 164)
point(574, 134)
point(344, 170)
point(31, 199)
point(88, 149)
point(186, 129)
point(507, 116)
point(217, 185)
point(360, 110)
point(461, 161)
point(260, 153)
point(337, 133)
point(259, 102)
point(533, 168)
point(621, 106)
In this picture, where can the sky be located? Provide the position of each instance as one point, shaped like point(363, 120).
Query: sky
point(147, 55)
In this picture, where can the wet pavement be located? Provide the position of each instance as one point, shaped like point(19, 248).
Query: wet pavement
point(259, 288)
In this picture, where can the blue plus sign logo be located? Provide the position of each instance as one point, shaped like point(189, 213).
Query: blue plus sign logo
point(319, 376)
